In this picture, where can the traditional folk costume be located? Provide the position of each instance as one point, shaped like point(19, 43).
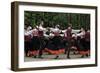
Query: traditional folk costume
point(83, 44)
point(55, 45)
point(87, 43)
point(27, 42)
point(74, 42)
point(87, 39)
point(42, 41)
point(69, 38)
point(34, 43)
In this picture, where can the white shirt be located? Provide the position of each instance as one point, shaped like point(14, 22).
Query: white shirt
point(81, 34)
point(26, 32)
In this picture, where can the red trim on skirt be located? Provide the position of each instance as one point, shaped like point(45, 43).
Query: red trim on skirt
point(32, 53)
point(84, 52)
point(55, 52)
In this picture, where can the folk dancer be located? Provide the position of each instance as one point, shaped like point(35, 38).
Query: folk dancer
point(34, 43)
point(68, 36)
point(55, 46)
point(27, 38)
point(41, 31)
point(81, 42)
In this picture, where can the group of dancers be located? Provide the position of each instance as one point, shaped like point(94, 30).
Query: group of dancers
point(40, 40)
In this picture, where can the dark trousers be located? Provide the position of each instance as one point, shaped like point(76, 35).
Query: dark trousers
point(69, 48)
point(41, 46)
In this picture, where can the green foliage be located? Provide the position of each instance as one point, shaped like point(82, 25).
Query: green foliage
point(51, 19)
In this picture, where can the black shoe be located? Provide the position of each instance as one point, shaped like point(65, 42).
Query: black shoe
point(68, 57)
point(34, 56)
point(82, 56)
point(56, 57)
point(86, 55)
